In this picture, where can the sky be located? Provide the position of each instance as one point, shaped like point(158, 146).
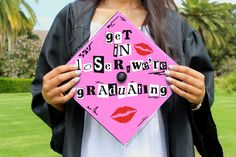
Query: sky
point(46, 10)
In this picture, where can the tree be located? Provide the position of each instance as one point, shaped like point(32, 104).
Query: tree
point(224, 58)
point(208, 18)
point(15, 16)
point(216, 23)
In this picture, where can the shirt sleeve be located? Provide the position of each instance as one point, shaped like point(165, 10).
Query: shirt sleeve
point(198, 59)
point(55, 52)
point(204, 132)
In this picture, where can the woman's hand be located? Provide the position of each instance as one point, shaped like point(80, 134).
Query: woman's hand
point(187, 83)
point(52, 91)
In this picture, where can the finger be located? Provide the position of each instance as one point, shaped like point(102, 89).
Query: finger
point(185, 78)
point(184, 86)
point(60, 90)
point(63, 77)
point(58, 70)
point(63, 99)
point(187, 70)
point(191, 98)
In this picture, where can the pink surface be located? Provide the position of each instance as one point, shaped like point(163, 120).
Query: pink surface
point(136, 109)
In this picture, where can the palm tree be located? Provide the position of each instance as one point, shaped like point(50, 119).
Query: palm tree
point(7, 17)
point(209, 19)
point(15, 16)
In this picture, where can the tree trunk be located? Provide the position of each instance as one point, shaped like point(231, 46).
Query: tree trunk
point(3, 40)
point(9, 38)
point(1, 43)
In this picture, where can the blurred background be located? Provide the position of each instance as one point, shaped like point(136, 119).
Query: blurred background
point(23, 27)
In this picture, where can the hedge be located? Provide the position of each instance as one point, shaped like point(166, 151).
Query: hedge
point(15, 85)
point(226, 83)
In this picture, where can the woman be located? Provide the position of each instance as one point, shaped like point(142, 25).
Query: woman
point(183, 120)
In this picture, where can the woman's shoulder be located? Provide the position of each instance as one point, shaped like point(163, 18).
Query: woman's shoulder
point(76, 5)
point(72, 11)
point(175, 22)
point(173, 15)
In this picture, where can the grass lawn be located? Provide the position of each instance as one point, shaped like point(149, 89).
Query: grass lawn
point(224, 113)
point(22, 134)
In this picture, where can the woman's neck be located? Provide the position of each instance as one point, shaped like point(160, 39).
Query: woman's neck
point(122, 4)
point(132, 9)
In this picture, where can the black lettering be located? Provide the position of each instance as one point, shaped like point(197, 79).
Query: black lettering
point(108, 67)
point(145, 89)
point(145, 66)
point(163, 91)
point(79, 64)
point(163, 66)
point(121, 90)
point(102, 89)
point(109, 37)
point(131, 88)
point(112, 89)
point(127, 37)
point(80, 93)
point(118, 64)
point(139, 88)
point(128, 68)
point(117, 36)
point(155, 64)
point(137, 65)
point(115, 50)
point(91, 90)
point(125, 48)
point(154, 90)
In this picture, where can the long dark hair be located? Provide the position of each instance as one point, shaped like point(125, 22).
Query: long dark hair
point(155, 19)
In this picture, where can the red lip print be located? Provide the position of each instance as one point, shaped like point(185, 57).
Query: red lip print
point(143, 49)
point(124, 114)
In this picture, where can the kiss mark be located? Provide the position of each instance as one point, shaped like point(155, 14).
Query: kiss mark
point(124, 114)
point(143, 49)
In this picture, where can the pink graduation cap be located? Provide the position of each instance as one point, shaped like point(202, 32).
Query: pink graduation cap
point(122, 82)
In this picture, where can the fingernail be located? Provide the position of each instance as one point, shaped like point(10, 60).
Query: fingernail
point(171, 67)
point(74, 89)
point(167, 72)
point(172, 87)
point(168, 79)
point(77, 72)
point(77, 79)
point(75, 66)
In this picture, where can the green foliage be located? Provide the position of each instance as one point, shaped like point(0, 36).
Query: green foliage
point(14, 85)
point(224, 66)
point(216, 22)
point(226, 83)
point(16, 16)
point(224, 58)
point(32, 36)
point(209, 18)
point(21, 62)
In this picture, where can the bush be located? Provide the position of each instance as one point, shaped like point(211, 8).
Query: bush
point(21, 61)
point(226, 83)
point(226, 66)
point(14, 85)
